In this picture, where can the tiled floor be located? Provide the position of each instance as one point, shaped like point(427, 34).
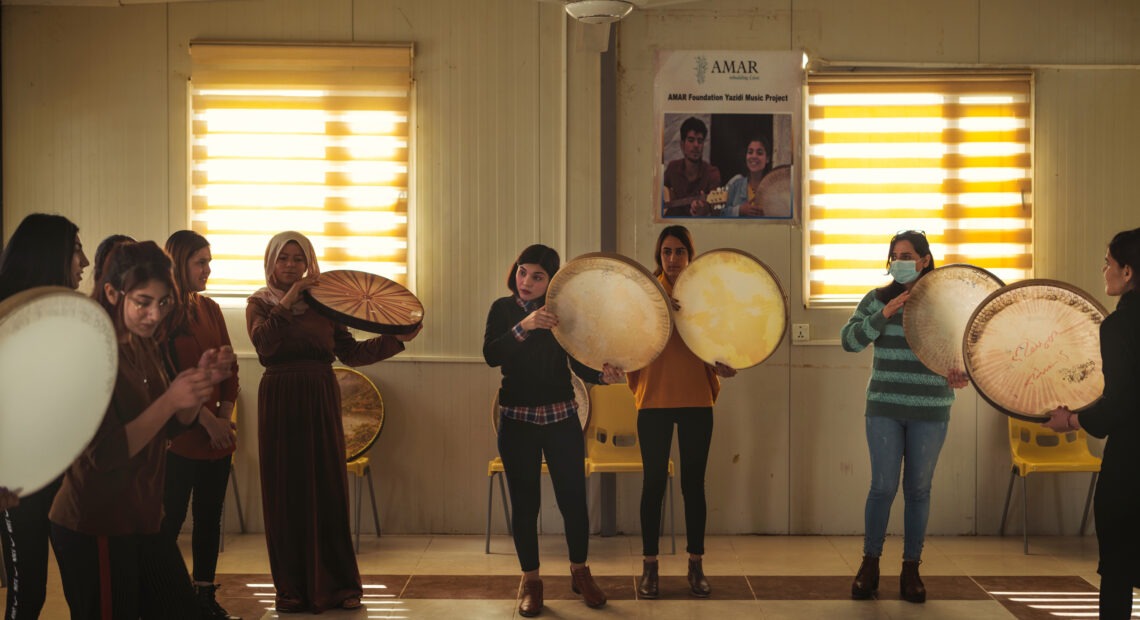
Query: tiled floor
point(777, 577)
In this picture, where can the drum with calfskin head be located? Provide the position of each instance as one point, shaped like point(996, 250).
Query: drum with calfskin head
point(733, 309)
point(361, 411)
point(366, 301)
point(59, 358)
point(1033, 346)
point(610, 309)
point(774, 193)
point(935, 315)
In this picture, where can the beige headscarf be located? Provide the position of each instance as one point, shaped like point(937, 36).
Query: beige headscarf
point(272, 293)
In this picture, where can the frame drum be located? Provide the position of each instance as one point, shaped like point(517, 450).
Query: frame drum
point(581, 399)
point(1035, 345)
point(733, 309)
point(361, 411)
point(775, 192)
point(609, 309)
point(935, 315)
point(58, 361)
point(366, 301)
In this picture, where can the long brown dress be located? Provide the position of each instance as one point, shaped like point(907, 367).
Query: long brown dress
point(304, 487)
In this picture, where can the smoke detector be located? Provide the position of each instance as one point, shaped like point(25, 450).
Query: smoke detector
point(598, 11)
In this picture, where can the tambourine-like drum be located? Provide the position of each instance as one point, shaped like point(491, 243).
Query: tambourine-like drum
point(774, 194)
point(581, 399)
point(1033, 346)
point(733, 309)
point(366, 301)
point(58, 361)
point(610, 310)
point(940, 305)
point(361, 411)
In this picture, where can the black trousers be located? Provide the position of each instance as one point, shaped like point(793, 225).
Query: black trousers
point(655, 436)
point(1115, 597)
point(206, 480)
point(521, 446)
point(123, 577)
point(24, 534)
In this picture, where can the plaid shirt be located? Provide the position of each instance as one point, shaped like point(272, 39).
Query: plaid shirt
point(543, 414)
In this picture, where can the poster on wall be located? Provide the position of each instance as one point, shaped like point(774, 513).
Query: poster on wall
point(728, 124)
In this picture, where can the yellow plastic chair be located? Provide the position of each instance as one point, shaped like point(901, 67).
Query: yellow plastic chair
point(1036, 449)
point(237, 495)
point(611, 440)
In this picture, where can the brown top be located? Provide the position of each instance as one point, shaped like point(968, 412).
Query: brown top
point(105, 491)
point(677, 378)
point(205, 329)
point(282, 337)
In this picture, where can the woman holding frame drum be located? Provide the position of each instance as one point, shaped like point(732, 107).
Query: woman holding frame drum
point(680, 389)
point(304, 490)
point(45, 250)
point(198, 461)
point(1116, 506)
point(907, 415)
point(539, 417)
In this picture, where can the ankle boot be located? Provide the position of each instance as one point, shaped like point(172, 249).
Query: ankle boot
point(698, 585)
point(207, 602)
point(647, 587)
point(866, 580)
point(582, 582)
point(910, 584)
point(530, 604)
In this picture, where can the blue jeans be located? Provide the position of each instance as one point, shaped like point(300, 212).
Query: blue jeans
point(891, 442)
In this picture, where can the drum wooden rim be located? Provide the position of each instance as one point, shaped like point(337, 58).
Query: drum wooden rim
point(332, 303)
point(354, 452)
point(931, 355)
point(680, 318)
point(994, 401)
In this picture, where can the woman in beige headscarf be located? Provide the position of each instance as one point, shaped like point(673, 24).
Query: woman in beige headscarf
point(304, 491)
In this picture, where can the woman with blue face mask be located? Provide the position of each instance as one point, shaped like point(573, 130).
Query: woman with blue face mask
point(907, 414)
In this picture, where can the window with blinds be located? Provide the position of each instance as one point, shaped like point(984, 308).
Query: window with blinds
point(307, 138)
point(947, 154)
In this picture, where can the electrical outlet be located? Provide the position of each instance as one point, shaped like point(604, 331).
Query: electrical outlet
point(801, 332)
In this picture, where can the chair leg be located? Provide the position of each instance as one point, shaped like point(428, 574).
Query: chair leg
point(1008, 495)
point(490, 497)
point(372, 497)
point(1088, 502)
point(237, 498)
point(672, 518)
point(358, 503)
point(1025, 513)
point(506, 503)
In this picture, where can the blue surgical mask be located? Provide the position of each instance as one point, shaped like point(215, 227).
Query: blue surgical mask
point(903, 271)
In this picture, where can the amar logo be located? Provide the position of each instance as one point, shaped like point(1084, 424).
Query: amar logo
point(702, 67)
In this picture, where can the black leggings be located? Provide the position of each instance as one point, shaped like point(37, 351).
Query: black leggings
point(655, 435)
point(521, 445)
point(1115, 597)
point(207, 479)
point(25, 531)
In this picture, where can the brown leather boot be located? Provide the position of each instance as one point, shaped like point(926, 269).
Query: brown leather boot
point(866, 580)
point(698, 585)
point(910, 584)
point(530, 604)
point(582, 582)
point(647, 587)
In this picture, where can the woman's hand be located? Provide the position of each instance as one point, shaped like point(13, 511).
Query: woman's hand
point(676, 304)
point(9, 499)
point(218, 363)
point(612, 374)
point(895, 304)
point(957, 379)
point(409, 336)
point(1061, 420)
point(724, 370)
point(190, 389)
point(221, 432)
point(299, 287)
point(539, 319)
point(751, 209)
point(699, 207)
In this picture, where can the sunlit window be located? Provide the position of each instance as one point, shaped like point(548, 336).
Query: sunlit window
point(947, 154)
point(307, 138)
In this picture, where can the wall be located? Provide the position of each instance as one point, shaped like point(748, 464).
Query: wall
point(94, 127)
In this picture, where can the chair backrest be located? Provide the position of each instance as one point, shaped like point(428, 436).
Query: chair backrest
point(1033, 442)
point(612, 434)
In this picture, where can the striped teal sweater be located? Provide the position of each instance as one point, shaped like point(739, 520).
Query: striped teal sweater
point(901, 387)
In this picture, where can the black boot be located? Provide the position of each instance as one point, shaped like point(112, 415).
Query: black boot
point(648, 586)
point(866, 580)
point(911, 588)
point(698, 585)
point(209, 605)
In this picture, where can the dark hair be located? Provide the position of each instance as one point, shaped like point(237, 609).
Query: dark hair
point(104, 249)
point(678, 232)
point(693, 124)
point(764, 140)
point(181, 246)
point(38, 254)
point(131, 266)
point(537, 254)
point(1125, 250)
point(917, 238)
